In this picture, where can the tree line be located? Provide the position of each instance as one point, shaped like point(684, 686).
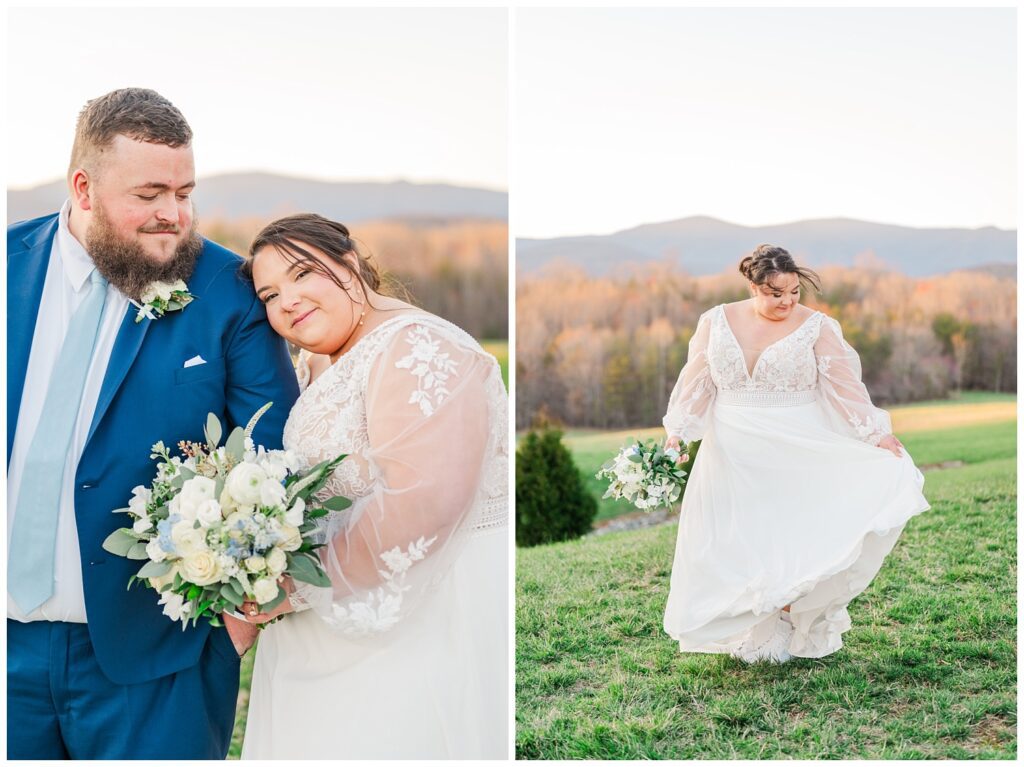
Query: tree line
point(605, 352)
point(457, 269)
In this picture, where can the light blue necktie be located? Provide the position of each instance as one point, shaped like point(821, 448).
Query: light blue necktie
point(34, 537)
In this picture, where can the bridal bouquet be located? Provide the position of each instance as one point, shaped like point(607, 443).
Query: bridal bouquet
point(222, 523)
point(645, 474)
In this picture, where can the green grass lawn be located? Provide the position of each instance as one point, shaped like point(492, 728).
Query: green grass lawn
point(928, 670)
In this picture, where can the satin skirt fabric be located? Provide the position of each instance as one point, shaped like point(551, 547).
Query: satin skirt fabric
point(781, 508)
point(433, 687)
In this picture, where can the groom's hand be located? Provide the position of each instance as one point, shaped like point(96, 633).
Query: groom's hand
point(251, 610)
point(243, 635)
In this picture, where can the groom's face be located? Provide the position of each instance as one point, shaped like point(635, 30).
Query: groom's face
point(142, 192)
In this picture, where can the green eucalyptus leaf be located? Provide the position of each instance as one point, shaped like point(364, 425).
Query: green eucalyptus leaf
point(137, 551)
point(119, 542)
point(213, 431)
point(154, 569)
point(236, 444)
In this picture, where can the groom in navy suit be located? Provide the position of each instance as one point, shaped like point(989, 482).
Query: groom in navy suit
point(94, 670)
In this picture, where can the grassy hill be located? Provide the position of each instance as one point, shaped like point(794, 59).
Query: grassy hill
point(928, 670)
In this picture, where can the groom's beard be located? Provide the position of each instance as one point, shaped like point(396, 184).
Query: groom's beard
point(128, 267)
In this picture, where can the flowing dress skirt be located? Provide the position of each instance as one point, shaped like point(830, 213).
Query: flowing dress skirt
point(782, 508)
point(434, 687)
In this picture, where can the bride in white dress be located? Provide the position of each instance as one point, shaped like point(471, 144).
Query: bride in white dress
point(799, 490)
point(405, 656)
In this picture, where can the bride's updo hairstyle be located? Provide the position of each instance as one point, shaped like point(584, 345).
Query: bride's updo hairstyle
point(767, 261)
point(288, 235)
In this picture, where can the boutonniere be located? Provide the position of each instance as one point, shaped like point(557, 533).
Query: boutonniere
point(162, 297)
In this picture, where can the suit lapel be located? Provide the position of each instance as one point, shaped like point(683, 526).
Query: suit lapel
point(26, 274)
point(126, 349)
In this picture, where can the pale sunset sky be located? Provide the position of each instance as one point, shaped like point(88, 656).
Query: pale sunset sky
point(763, 116)
point(418, 94)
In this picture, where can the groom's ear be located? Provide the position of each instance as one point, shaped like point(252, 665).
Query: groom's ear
point(80, 186)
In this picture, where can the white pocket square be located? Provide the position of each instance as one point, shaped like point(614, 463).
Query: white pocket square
point(197, 360)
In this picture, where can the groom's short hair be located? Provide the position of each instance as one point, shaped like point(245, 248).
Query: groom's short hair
point(138, 113)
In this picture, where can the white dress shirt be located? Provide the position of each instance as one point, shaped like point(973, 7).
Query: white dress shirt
point(66, 286)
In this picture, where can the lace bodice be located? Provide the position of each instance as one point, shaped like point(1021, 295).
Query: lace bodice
point(812, 359)
point(422, 413)
point(787, 365)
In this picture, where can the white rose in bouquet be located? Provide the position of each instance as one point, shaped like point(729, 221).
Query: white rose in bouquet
point(201, 568)
point(244, 483)
point(208, 512)
point(187, 539)
point(291, 538)
point(255, 563)
point(277, 561)
point(265, 589)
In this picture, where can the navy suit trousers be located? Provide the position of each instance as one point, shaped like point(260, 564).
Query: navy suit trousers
point(61, 706)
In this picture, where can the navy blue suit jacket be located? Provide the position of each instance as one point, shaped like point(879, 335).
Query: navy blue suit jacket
point(147, 395)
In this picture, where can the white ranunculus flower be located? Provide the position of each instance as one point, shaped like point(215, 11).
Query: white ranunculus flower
point(277, 561)
point(155, 552)
point(294, 515)
point(208, 512)
point(244, 483)
point(291, 538)
point(272, 493)
point(198, 489)
point(201, 568)
point(265, 589)
point(187, 539)
point(255, 563)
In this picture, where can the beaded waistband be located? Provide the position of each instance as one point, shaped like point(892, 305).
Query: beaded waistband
point(765, 398)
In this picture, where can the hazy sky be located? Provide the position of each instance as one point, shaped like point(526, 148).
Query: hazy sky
point(331, 93)
point(763, 116)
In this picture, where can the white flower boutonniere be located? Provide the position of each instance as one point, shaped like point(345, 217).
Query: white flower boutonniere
point(162, 297)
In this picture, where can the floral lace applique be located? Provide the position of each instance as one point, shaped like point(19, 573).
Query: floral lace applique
point(382, 607)
point(431, 366)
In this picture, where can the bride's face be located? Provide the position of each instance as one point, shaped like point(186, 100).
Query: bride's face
point(776, 301)
point(304, 306)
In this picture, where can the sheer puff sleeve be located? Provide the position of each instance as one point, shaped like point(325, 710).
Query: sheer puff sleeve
point(434, 440)
point(840, 385)
point(694, 392)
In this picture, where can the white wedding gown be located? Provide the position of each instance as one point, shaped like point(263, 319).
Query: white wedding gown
point(789, 500)
point(406, 656)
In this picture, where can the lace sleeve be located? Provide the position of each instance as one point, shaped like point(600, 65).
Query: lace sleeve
point(840, 385)
point(432, 429)
point(690, 403)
